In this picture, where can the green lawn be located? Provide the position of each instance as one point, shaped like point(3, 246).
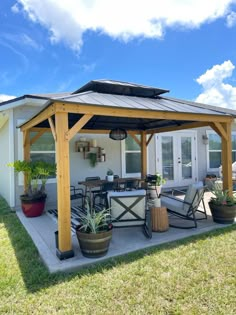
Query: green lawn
point(194, 276)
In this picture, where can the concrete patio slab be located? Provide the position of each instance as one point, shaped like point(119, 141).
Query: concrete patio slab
point(124, 240)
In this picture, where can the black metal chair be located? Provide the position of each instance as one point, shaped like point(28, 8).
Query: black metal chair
point(117, 184)
point(92, 178)
point(129, 208)
point(100, 198)
point(186, 208)
point(77, 193)
point(131, 184)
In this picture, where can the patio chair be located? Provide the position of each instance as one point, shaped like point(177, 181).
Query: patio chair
point(92, 178)
point(77, 193)
point(186, 208)
point(131, 184)
point(100, 198)
point(129, 208)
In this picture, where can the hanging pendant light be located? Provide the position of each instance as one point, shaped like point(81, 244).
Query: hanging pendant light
point(118, 134)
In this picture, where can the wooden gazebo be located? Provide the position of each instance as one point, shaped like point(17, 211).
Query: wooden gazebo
point(102, 105)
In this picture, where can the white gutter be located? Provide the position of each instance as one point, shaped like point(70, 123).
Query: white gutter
point(24, 101)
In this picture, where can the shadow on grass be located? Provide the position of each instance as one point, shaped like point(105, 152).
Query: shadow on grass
point(37, 277)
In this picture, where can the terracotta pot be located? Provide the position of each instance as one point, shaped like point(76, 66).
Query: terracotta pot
point(94, 245)
point(222, 213)
point(33, 207)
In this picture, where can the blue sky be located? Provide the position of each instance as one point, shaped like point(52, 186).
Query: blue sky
point(188, 47)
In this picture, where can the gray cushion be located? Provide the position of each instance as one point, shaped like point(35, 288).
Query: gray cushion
point(174, 204)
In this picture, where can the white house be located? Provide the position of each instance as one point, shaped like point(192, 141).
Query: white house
point(183, 156)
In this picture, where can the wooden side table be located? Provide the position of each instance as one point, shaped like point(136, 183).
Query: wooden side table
point(160, 222)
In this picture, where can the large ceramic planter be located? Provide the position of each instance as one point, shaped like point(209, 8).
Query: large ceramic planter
point(33, 207)
point(222, 213)
point(94, 245)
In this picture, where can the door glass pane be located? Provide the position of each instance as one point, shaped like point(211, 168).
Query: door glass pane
point(186, 157)
point(167, 158)
point(133, 162)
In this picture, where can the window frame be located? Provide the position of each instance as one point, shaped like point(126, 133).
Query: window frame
point(123, 160)
point(20, 155)
point(208, 133)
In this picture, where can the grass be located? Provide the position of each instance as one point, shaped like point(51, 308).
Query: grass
point(193, 276)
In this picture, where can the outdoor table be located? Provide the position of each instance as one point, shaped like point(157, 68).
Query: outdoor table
point(89, 185)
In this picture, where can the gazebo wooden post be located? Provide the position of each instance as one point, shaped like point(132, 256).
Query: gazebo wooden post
point(227, 158)
point(63, 187)
point(143, 155)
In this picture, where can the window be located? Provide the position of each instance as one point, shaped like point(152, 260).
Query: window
point(132, 157)
point(43, 148)
point(214, 150)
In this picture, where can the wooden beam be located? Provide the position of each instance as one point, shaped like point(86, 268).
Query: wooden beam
point(26, 145)
point(218, 127)
point(226, 156)
point(37, 136)
point(143, 155)
point(149, 139)
point(63, 183)
point(175, 128)
point(43, 115)
point(52, 126)
point(77, 126)
point(136, 113)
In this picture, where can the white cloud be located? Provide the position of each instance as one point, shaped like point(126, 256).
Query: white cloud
point(231, 19)
point(123, 19)
point(4, 97)
point(215, 91)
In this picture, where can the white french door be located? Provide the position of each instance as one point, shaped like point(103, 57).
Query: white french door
point(176, 157)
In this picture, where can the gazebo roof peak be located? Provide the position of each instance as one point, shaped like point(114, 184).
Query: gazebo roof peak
point(121, 88)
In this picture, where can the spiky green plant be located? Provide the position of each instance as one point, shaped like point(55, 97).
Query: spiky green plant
point(36, 174)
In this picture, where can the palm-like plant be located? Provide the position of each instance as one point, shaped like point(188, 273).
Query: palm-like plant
point(36, 174)
point(95, 221)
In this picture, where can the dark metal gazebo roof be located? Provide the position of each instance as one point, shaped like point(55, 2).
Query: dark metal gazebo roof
point(115, 94)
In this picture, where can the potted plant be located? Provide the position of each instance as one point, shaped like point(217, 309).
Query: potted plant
point(222, 206)
point(36, 173)
point(110, 175)
point(92, 158)
point(94, 232)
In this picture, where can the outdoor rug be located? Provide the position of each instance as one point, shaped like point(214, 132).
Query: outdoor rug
point(75, 216)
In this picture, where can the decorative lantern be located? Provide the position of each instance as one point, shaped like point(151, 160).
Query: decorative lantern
point(118, 134)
